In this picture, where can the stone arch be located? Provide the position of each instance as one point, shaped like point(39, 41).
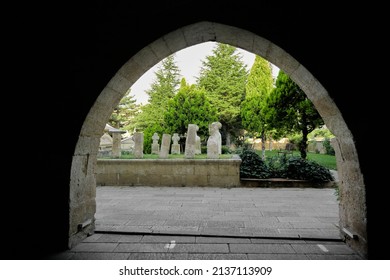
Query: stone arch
point(82, 205)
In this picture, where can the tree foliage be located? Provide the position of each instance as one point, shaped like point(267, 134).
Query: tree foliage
point(124, 112)
point(258, 88)
point(260, 81)
point(165, 84)
point(223, 75)
point(164, 87)
point(189, 106)
point(290, 111)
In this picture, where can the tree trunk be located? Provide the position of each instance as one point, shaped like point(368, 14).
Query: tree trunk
point(303, 143)
point(263, 138)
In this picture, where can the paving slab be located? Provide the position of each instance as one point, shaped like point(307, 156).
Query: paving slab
point(323, 249)
point(95, 247)
point(211, 248)
point(141, 247)
point(168, 239)
point(202, 239)
point(277, 257)
point(100, 256)
point(263, 248)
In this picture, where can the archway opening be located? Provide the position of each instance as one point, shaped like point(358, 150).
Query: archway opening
point(83, 181)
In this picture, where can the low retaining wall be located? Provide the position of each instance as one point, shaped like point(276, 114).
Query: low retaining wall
point(168, 172)
point(187, 172)
point(285, 183)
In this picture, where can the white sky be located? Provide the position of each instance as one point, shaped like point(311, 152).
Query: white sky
point(189, 61)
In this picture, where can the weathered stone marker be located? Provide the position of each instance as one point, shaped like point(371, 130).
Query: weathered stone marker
point(198, 149)
point(165, 145)
point(214, 143)
point(116, 144)
point(191, 141)
point(155, 145)
point(175, 149)
point(138, 144)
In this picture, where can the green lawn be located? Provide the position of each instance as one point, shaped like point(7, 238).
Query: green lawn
point(327, 161)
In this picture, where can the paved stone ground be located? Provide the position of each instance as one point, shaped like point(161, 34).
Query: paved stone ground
point(219, 211)
point(214, 223)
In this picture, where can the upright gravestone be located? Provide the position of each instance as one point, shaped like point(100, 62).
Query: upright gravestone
point(138, 138)
point(214, 143)
point(217, 126)
point(191, 141)
point(155, 146)
point(116, 144)
point(175, 149)
point(198, 149)
point(165, 145)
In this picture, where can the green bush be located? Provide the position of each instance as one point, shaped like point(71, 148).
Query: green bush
point(328, 147)
point(226, 150)
point(277, 166)
point(303, 169)
point(252, 166)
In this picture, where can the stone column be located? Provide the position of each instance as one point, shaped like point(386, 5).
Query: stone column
point(138, 138)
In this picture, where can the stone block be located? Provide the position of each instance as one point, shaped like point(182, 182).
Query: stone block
point(175, 41)
point(196, 180)
point(199, 33)
point(132, 71)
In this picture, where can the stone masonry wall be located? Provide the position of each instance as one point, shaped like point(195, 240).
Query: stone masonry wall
point(172, 172)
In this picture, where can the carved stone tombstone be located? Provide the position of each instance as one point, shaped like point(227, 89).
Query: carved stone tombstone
point(165, 145)
point(138, 138)
point(191, 141)
point(155, 145)
point(214, 143)
point(116, 141)
point(116, 144)
point(198, 148)
point(175, 149)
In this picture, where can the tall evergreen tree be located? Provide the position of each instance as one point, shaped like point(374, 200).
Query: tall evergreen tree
point(259, 85)
point(290, 111)
point(166, 83)
point(260, 80)
point(164, 87)
point(223, 75)
point(124, 113)
point(189, 106)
